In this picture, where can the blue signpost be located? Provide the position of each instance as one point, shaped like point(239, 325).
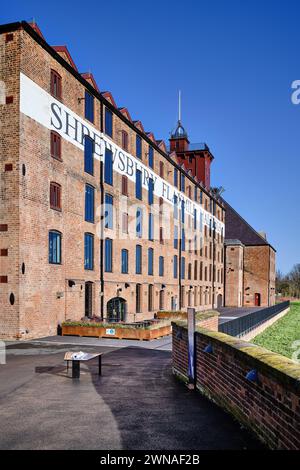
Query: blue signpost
point(191, 347)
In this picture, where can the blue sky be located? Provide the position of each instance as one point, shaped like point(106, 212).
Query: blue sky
point(234, 62)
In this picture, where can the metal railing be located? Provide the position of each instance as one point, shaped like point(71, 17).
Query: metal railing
point(243, 325)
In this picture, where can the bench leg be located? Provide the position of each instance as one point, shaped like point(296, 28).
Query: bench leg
point(100, 365)
point(75, 369)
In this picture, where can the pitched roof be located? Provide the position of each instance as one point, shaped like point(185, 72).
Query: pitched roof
point(237, 228)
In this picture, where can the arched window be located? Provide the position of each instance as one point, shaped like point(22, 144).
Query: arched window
point(124, 140)
point(55, 196)
point(55, 85)
point(54, 247)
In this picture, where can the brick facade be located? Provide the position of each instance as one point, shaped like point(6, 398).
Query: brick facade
point(46, 294)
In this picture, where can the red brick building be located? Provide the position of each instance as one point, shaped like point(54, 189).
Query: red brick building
point(97, 218)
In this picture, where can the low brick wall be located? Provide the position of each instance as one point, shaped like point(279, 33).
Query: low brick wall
point(209, 319)
point(270, 408)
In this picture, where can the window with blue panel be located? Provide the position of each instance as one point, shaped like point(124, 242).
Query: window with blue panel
point(151, 157)
point(108, 255)
point(175, 266)
point(182, 239)
point(195, 193)
point(150, 191)
point(138, 146)
point(176, 177)
point(182, 211)
point(150, 261)
point(138, 259)
point(88, 155)
point(108, 215)
point(195, 219)
point(151, 227)
point(89, 106)
point(124, 261)
point(89, 203)
point(201, 197)
point(54, 247)
point(182, 182)
point(201, 222)
point(161, 263)
point(88, 251)
point(108, 122)
point(182, 268)
point(138, 185)
point(139, 223)
point(175, 199)
point(108, 167)
point(175, 237)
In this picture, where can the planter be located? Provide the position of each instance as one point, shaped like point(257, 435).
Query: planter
point(117, 333)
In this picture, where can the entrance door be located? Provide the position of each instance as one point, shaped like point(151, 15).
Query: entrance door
point(219, 301)
point(89, 299)
point(116, 310)
point(257, 299)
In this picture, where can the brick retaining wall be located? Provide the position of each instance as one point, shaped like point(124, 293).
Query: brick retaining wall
point(269, 408)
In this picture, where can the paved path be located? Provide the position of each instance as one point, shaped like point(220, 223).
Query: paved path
point(135, 404)
point(230, 313)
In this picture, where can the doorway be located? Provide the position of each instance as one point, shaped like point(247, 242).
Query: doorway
point(116, 310)
point(89, 299)
point(257, 299)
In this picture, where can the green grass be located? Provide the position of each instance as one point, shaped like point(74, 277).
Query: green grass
point(280, 336)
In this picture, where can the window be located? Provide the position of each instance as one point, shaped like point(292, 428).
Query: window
point(55, 85)
point(161, 169)
point(150, 191)
point(124, 143)
point(89, 106)
point(139, 223)
point(161, 266)
point(175, 237)
point(151, 227)
point(89, 203)
point(151, 159)
point(189, 191)
point(88, 155)
point(195, 270)
point(182, 268)
point(88, 251)
point(55, 196)
point(182, 211)
point(138, 146)
point(108, 216)
point(161, 299)
point(182, 239)
point(124, 185)
point(138, 297)
point(150, 297)
point(195, 219)
point(108, 255)
point(201, 271)
point(54, 247)
point(108, 167)
point(195, 193)
point(161, 235)
point(201, 197)
point(175, 207)
point(125, 222)
point(182, 182)
point(55, 145)
point(175, 266)
point(138, 184)
point(190, 271)
point(108, 122)
point(138, 259)
point(175, 177)
point(150, 261)
point(124, 261)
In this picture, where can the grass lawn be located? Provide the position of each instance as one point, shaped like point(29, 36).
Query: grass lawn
point(280, 336)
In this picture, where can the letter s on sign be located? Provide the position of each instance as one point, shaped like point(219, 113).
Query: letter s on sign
point(296, 94)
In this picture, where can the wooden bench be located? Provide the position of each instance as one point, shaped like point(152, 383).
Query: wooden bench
point(69, 357)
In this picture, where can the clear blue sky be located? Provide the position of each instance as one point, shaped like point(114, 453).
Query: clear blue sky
point(234, 62)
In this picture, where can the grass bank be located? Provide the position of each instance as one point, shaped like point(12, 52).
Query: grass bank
point(281, 335)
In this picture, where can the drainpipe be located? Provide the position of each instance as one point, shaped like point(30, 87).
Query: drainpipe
point(101, 224)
